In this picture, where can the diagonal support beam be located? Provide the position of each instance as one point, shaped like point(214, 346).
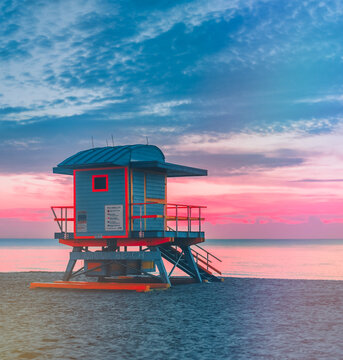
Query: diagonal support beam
point(175, 265)
point(191, 263)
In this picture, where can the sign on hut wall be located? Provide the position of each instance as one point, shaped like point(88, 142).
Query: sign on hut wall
point(81, 225)
point(114, 218)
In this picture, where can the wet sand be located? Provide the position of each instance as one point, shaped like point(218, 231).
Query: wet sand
point(238, 319)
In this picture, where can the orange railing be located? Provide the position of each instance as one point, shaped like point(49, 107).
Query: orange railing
point(205, 260)
point(62, 220)
point(175, 213)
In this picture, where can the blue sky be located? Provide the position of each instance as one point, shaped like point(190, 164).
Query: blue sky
point(248, 89)
point(72, 70)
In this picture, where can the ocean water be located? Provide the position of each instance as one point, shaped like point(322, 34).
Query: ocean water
point(268, 307)
point(273, 259)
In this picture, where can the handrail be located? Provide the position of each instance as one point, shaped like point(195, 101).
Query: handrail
point(172, 204)
point(146, 203)
point(207, 252)
point(197, 253)
point(208, 261)
point(63, 219)
point(168, 217)
point(63, 207)
point(209, 266)
point(190, 206)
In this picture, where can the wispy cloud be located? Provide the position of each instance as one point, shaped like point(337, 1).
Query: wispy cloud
point(41, 58)
point(274, 155)
point(322, 99)
point(67, 106)
point(298, 137)
point(190, 14)
point(301, 34)
point(319, 180)
point(31, 144)
point(163, 108)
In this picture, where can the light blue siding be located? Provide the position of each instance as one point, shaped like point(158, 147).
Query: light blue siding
point(155, 189)
point(138, 197)
point(93, 203)
point(155, 186)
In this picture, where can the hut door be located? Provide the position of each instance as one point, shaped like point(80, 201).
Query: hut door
point(155, 193)
point(138, 197)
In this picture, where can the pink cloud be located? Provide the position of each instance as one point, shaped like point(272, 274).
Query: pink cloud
point(313, 229)
point(239, 202)
point(39, 215)
point(263, 204)
point(26, 200)
point(332, 221)
point(34, 191)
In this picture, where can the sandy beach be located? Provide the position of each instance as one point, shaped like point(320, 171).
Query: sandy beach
point(237, 319)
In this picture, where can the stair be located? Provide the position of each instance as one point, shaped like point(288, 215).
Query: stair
point(173, 255)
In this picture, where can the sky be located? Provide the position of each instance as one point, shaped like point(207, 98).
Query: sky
point(250, 90)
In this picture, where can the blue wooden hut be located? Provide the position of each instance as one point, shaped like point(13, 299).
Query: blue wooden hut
point(120, 202)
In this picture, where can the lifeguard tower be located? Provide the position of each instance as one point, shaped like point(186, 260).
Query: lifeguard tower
point(121, 226)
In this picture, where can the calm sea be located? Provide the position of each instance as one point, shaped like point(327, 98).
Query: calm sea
point(278, 259)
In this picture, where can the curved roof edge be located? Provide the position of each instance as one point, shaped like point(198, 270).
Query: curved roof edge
point(148, 157)
point(115, 155)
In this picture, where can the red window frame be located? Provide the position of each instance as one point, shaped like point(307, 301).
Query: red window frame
point(98, 176)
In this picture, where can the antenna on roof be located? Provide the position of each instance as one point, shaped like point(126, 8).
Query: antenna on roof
point(112, 140)
point(92, 142)
point(147, 140)
point(106, 142)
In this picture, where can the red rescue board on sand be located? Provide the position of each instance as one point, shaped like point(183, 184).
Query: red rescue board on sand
point(87, 285)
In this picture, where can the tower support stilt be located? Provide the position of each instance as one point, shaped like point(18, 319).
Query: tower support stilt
point(71, 264)
point(160, 265)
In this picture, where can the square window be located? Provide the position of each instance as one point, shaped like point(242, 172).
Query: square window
point(100, 182)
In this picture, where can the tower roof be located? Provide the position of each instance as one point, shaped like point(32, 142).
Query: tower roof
point(148, 157)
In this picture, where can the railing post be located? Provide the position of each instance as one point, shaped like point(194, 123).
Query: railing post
point(62, 220)
point(130, 217)
point(66, 224)
point(164, 219)
point(199, 220)
point(140, 217)
point(188, 217)
point(176, 221)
